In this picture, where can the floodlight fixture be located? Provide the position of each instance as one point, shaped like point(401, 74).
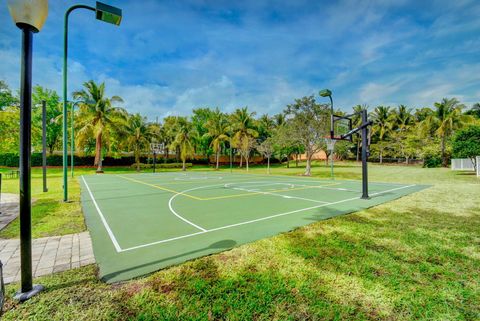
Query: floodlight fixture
point(108, 13)
point(325, 93)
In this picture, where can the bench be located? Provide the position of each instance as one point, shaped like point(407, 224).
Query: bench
point(12, 174)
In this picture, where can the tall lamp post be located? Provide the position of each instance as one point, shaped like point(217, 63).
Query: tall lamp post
point(29, 16)
point(328, 93)
point(104, 13)
point(72, 138)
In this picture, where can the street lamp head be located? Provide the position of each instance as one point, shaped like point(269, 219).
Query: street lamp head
point(325, 93)
point(108, 13)
point(28, 13)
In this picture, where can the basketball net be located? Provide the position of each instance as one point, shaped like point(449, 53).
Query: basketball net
point(330, 144)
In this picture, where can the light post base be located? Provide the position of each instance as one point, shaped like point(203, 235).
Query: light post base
point(24, 296)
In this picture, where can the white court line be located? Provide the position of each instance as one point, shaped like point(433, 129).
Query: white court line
point(181, 217)
point(257, 185)
point(104, 221)
point(278, 195)
point(252, 221)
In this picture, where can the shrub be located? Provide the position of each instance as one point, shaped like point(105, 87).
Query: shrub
point(12, 160)
point(141, 166)
point(174, 165)
point(432, 161)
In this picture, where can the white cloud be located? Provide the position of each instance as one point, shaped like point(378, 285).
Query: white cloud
point(375, 93)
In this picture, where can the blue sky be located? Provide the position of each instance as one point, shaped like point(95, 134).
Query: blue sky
point(169, 57)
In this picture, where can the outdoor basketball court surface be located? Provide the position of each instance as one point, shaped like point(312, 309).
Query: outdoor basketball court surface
point(140, 223)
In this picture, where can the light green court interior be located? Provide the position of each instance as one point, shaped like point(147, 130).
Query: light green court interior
point(140, 223)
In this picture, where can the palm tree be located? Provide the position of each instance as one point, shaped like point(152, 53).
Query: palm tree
point(474, 111)
point(446, 118)
point(266, 124)
point(422, 113)
point(403, 117)
point(243, 127)
point(167, 133)
point(137, 135)
point(185, 139)
point(218, 127)
point(97, 117)
point(382, 125)
point(279, 119)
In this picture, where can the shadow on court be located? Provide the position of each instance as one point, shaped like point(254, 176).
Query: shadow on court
point(217, 247)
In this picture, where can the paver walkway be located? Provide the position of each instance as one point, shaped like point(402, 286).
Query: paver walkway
point(9, 208)
point(49, 255)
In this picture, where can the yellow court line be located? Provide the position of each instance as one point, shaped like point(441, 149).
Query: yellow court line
point(160, 187)
point(206, 180)
point(258, 193)
point(225, 196)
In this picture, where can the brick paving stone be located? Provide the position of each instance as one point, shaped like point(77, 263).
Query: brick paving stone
point(49, 255)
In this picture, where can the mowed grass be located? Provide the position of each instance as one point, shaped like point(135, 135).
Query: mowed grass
point(50, 215)
point(414, 258)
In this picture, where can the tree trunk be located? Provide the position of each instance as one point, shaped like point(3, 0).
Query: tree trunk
point(184, 167)
point(165, 156)
point(288, 162)
point(381, 156)
point(241, 158)
point(308, 168)
point(444, 158)
point(98, 152)
point(246, 162)
point(217, 156)
point(137, 160)
point(268, 165)
point(296, 160)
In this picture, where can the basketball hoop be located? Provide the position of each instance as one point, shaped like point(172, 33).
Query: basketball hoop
point(157, 148)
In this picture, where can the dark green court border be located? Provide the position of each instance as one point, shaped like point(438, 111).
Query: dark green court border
point(130, 210)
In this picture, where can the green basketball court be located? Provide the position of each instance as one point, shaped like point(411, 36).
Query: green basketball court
point(140, 223)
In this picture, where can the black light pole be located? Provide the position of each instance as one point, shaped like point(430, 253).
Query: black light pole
point(364, 154)
point(29, 16)
point(25, 149)
point(44, 145)
point(231, 156)
point(154, 159)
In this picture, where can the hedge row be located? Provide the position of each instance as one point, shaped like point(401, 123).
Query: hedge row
point(12, 160)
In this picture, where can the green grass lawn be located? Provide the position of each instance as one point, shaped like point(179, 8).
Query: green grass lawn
point(414, 258)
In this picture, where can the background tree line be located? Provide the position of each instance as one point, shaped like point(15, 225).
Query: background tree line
point(102, 127)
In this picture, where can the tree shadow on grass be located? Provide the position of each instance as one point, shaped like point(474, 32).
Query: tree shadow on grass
point(214, 247)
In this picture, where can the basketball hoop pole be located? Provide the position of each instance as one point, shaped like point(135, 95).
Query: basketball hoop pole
point(154, 160)
point(364, 154)
point(331, 162)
